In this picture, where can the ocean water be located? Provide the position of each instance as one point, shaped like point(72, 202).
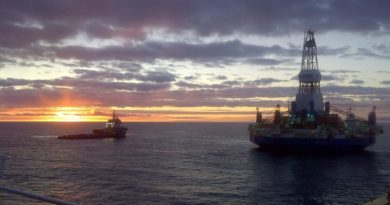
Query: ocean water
point(181, 163)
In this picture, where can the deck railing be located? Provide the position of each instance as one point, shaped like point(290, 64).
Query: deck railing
point(35, 196)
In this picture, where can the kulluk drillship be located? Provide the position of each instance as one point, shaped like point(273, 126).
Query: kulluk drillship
point(310, 124)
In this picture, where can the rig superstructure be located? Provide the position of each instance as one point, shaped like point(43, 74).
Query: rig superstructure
point(310, 124)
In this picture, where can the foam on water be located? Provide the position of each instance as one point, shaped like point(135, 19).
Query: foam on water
point(45, 136)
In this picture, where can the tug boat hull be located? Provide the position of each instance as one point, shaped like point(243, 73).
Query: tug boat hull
point(91, 136)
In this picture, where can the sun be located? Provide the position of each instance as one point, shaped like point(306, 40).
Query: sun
point(67, 117)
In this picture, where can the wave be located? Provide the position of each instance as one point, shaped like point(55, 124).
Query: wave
point(45, 136)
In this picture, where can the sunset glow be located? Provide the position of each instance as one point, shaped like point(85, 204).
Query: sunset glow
point(61, 62)
point(61, 116)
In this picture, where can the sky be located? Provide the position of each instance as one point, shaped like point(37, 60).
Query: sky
point(185, 60)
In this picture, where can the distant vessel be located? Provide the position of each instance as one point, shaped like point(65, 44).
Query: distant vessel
point(113, 129)
point(309, 125)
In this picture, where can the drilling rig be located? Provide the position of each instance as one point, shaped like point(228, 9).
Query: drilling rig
point(311, 124)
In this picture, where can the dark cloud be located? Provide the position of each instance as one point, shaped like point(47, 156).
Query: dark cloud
point(267, 61)
point(104, 88)
point(386, 82)
point(183, 84)
point(100, 30)
point(109, 86)
point(103, 75)
point(324, 50)
point(273, 68)
point(9, 82)
point(262, 82)
point(229, 84)
point(129, 19)
point(343, 71)
point(369, 53)
point(157, 76)
point(383, 48)
point(357, 82)
point(331, 78)
point(232, 83)
point(151, 76)
point(4, 59)
point(221, 77)
point(192, 77)
point(223, 96)
point(327, 78)
point(114, 74)
point(212, 54)
point(175, 50)
point(88, 84)
point(42, 31)
point(17, 36)
point(365, 52)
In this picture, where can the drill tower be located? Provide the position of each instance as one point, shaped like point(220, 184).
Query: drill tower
point(309, 97)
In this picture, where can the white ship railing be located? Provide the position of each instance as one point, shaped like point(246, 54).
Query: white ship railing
point(35, 196)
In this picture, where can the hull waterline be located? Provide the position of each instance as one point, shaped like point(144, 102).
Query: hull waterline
point(314, 144)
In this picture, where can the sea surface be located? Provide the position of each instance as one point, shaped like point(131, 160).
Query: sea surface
point(181, 163)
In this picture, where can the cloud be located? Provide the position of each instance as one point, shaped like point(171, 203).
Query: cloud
point(183, 84)
point(229, 84)
point(123, 53)
point(80, 92)
point(130, 19)
point(103, 75)
point(157, 76)
point(343, 71)
point(331, 78)
point(232, 83)
point(155, 83)
point(23, 24)
point(75, 30)
point(221, 77)
point(273, 68)
point(323, 78)
point(325, 50)
point(267, 61)
point(357, 82)
point(383, 48)
point(191, 77)
point(17, 36)
point(386, 82)
point(365, 52)
point(151, 76)
point(234, 49)
point(262, 82)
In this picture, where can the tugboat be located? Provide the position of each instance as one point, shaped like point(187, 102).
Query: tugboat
point(310, 124)
point(113, 129)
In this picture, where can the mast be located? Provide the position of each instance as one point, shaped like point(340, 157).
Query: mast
point(309, 97)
